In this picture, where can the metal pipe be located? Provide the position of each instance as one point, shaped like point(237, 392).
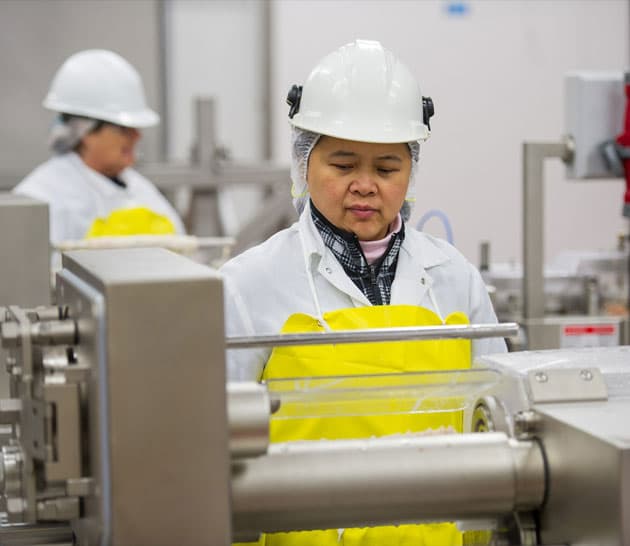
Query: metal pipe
point(179, 243)
point(474, 331)
point(55, 332)
point(170, 177)
point(451, 477)
point(484, 256)
point(248, 409)
point(47, 313)
point(206, 159)
point(534, 154)
point(205, 133)
point(47, 533)
point(164, 65)
point(266, 62)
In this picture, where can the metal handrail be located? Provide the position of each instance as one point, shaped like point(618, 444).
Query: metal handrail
point(406, 333)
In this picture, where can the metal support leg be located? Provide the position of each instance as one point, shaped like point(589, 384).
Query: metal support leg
point(534, 154)
point(205, 158)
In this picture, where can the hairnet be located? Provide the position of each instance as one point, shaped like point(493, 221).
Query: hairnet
point(302, 144)
point(67, 131)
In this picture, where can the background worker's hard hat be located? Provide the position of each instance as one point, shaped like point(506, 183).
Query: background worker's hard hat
point(362, 92)
point(100, 84)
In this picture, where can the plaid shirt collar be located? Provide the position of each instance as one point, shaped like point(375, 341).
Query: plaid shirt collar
point(375, 281)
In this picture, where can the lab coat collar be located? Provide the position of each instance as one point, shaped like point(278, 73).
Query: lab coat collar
point(417, 256)
point(318, 256)
point(430, 255)
point(313, 245)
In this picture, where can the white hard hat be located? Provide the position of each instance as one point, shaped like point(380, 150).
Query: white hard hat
point(100, 84)
point(362, 92)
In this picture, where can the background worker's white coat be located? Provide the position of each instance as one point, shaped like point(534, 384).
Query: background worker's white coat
point(268, 283)
point(77, 195)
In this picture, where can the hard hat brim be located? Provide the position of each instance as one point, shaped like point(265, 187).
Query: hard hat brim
point(384, 134)
point(137, 120)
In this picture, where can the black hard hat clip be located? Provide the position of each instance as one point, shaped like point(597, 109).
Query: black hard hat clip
point(293, 100)
point(428, 110)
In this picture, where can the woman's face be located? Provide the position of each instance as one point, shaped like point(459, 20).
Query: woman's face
point(359, 186)
point(110, 149)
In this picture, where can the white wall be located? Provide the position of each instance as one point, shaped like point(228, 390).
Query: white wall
point(495, 73)
point(496, 76)
point(213, 49)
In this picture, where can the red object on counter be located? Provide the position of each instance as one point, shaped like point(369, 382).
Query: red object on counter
point(624, 140)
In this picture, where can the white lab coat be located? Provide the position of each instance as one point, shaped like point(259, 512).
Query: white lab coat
point(269, 282)
point(77, 195)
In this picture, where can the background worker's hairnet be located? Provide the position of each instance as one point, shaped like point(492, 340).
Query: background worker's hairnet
point(67, 131)
point(302, 144)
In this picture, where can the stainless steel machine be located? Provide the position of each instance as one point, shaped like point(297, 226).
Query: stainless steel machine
point(25, 258)
point(118, 424)
point(585, 304)
point(123, 432)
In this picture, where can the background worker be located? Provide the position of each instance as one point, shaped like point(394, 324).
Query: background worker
point(89, 184)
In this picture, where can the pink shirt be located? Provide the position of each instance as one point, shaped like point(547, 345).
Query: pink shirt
point(373, 250)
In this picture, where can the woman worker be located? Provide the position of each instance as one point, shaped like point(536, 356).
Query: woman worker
point(351, 260)
point(101, 109)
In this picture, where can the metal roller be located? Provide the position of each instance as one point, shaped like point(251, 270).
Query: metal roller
point(248, 408)
point(436, 478)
